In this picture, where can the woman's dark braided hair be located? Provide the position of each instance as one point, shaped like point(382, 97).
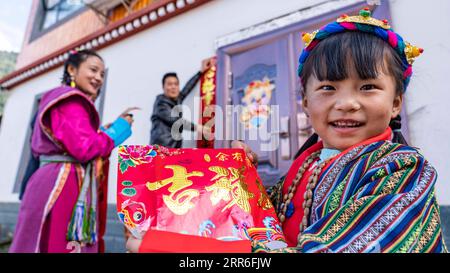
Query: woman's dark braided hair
point(76, 58)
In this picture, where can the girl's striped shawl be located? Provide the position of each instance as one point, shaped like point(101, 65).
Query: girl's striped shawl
point(375, 198)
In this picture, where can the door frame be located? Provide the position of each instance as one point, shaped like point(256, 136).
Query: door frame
point(224, 53)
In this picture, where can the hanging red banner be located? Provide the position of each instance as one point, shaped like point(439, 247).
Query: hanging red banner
point(207, 103)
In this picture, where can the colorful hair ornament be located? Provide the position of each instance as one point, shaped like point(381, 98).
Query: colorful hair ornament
point(363, 22)
point(412, 52)
point(308, 37)
point(365, 17)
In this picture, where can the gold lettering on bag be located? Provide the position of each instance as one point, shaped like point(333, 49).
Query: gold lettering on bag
point(222, 157)
point(179, 200)
point(230, 186)
point(238, 157)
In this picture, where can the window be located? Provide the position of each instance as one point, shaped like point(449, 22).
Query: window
point(52, 13)
point(57, 10)
point(126, 7)
point(26, 165)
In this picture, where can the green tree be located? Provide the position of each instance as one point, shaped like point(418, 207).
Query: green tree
point(3, 97)
point(7, 65)
point(7, 62)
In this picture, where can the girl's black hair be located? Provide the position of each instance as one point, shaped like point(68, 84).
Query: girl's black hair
point(334, 57)
point(75, 60)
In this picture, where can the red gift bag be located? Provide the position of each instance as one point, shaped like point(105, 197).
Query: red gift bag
point(193, 200)
point(167, 242)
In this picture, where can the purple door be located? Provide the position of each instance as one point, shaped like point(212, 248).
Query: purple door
point(259, 78)
point(261, 95)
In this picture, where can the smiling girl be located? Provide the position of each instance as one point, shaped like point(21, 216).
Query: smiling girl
point(356, 189)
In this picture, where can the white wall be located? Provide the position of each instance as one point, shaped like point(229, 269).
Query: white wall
point(427, 24)
point(137, 64)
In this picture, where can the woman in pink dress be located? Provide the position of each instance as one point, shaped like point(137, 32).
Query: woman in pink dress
point(60, 207)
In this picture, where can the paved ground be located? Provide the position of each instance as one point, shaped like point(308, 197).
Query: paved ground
point(115, 239)
point(4, 245)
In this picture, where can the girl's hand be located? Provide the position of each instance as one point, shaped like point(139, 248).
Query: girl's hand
point(133, 244)
point(250, 154)
point(204, 132)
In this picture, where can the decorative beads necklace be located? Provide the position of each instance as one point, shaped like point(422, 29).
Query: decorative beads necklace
point(308, 196)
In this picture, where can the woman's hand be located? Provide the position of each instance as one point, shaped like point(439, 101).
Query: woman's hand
point(106, 126)
point(250, 154)
point(128, 110)
point(128, 116)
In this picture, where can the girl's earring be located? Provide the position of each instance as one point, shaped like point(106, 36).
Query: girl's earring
point(72, 82)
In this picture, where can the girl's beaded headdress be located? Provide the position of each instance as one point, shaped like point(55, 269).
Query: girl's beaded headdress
point(366, 23)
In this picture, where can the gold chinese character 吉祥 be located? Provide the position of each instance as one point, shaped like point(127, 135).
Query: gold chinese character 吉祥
point(230, 186)
point(179, 182)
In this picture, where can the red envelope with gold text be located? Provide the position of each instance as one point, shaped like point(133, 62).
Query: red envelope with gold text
point(214, 193)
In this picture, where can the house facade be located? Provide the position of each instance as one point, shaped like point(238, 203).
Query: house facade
point(253, 41)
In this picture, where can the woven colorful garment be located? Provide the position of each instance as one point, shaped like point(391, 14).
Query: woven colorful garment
point(374, 198)
point(363, 23)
